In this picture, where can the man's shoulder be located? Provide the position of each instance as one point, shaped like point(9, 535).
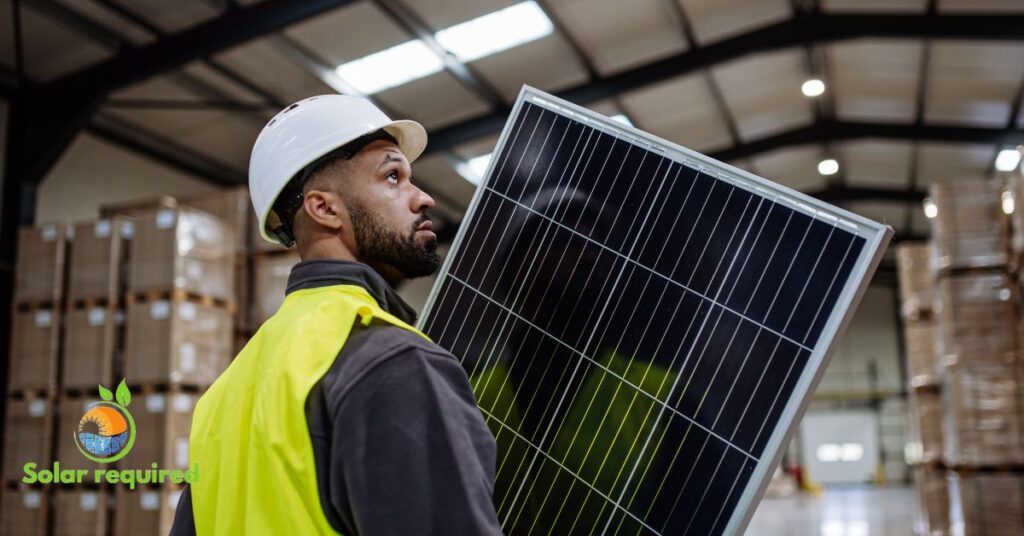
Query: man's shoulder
point(381, 346)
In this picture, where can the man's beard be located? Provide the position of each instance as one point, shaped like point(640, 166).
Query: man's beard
point(381, 247)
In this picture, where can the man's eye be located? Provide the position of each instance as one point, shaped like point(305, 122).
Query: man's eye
point(393, 175)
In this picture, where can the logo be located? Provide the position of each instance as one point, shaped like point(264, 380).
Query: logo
point(106, 432)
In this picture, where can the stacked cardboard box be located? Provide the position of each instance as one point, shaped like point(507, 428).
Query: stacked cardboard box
point(932, 518)
point(81, 512)
point(147, 510)
point(970, 229)
point(270, 278)
point(180, 308)
point(23, 511)
point(175, 342)
point(987, 503)
point(28, 433)
point(976, 342)
point(94, 316)
point(984, 423)
point(921, 328)
point(926, 426)
point(38, 298)
point(166, 418)
point(182, 249)
point(70, 410)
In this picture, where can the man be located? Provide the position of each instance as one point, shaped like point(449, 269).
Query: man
point(339, 416)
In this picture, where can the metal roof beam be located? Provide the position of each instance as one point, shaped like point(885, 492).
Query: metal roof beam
point(235, 27)
point(404, 17)
point(849, 130)
point(823, 28)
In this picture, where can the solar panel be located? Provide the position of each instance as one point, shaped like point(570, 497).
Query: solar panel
point(642, 325)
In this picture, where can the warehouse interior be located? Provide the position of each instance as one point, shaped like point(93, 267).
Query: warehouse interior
point(907, 112)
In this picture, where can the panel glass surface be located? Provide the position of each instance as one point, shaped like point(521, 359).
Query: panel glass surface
point(633, 327)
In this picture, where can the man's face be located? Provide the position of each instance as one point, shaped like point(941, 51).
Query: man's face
point(388, 214)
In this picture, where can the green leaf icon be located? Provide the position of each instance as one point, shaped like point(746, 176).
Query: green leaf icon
point(105, 394)
point(124, 396)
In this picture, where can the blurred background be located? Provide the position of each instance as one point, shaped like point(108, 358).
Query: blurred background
point(127, 246)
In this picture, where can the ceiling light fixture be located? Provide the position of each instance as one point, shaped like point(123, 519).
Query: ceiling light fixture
point(813, 87)
point(497, 31)
point(1007, 160)
point(474, 169)
point(392, 67)
point(828, 166)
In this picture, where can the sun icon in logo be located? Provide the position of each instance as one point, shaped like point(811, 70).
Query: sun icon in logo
point(107, 431)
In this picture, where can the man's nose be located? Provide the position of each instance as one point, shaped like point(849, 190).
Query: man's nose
point(422, 202)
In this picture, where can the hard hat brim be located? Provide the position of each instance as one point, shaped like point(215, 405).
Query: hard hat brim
point(411, 137)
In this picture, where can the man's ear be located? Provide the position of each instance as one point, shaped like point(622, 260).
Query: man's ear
point(325, 208)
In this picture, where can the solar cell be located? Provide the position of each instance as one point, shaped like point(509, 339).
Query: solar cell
point(642, 325)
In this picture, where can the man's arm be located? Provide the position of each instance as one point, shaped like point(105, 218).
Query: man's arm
point(410, 451)
point(184, 524)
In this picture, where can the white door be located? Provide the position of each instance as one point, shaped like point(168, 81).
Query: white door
point(840, 447)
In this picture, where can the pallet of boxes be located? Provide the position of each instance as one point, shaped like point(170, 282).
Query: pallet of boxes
point(178, 337)
point(31, 393)
point(982, 367)
point(917, 307)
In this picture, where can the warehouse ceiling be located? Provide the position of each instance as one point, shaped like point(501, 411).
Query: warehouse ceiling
point(916, 91)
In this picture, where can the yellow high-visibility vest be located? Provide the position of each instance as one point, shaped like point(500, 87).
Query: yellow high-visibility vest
point(250, 438)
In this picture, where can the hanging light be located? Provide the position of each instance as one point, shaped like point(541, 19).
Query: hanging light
point(813, 87)
point(930, 209)
point(828, 166)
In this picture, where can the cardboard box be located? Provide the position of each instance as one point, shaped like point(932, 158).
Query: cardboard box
point(922, 349)
point(35, 339)
point(926, 422)
point(144, 511)
point(270, 279)
point(81, 512)
point(932, 488)
point(27, 436)
point(90, 340)
point(23, 511)
point(970, 229)
point(183, 249)
point(69, 414)
point(985, 504)
point(98, 259)
point(984, 424)
point(978, 315)
point(39, 272)
point(176, 342)
point(234, 209)
point(134, 208)
point(163, 422)
point(916, 279)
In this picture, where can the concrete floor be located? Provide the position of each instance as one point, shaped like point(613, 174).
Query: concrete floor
point(853, 511)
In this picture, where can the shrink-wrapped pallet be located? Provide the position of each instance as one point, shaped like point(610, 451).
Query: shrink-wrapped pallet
point(39, 272)
point(926, 423)
point(916, 279)
point(986, 504)
point(978, 315)
point(182, 249)
point(970, 229)
point(984, 419)
point(932, 488)
point(923, 356)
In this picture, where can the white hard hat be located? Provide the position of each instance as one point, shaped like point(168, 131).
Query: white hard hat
point(307, 130)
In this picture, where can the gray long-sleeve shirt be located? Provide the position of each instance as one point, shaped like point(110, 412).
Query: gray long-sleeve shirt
point(399, 443)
